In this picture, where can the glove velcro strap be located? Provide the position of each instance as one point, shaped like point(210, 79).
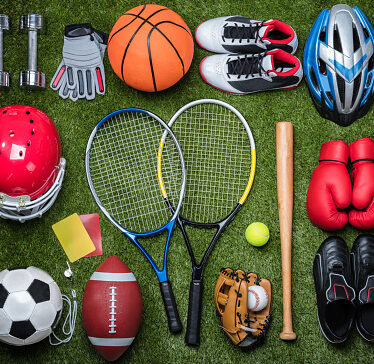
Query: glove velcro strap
point(78, 30)
point(334, 150)
point(104, 36)
point(362, 150)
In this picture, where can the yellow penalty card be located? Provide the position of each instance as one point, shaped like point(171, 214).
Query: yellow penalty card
point(73, 237)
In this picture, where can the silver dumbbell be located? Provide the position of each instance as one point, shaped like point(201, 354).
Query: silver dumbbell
point(4, 76)
point(32, 78)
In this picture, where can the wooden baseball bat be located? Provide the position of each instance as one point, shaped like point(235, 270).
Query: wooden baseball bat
point(284, 136)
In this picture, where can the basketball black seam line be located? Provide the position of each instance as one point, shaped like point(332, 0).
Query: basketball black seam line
point(150, 61)
point(153, 26)
point(149, 49)
point(135, 17)
point(133, 36)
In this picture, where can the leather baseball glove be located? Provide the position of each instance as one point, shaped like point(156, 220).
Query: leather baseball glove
point(245, 328)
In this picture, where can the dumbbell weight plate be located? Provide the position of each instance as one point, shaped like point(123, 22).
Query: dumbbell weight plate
point(4, 79)
point(31, 22)
point(4, 22)
point(32, 79)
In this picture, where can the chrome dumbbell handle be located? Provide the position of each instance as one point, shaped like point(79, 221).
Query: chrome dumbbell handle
point(4, 76)
point(32, 23)
point(33, 50)
point(1, 50)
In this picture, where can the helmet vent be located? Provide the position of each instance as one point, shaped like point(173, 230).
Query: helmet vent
point(356, 39)
point(314, 79)
point(27, 112)
point(329, 95)
point(356, 88)
point(11, 134)
point(337, 43)
point(341, 88)
point(322, 35)
point(4, 112)
point(322, 66)
point(366, 33)
point(32, 132)
point(368, 81)
point(31, 121)
point(364, 93)
point(20, 153)
point(371, 63)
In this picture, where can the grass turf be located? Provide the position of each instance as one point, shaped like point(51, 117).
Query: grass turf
point(34, 243)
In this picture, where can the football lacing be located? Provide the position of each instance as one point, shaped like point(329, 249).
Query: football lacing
point(112, 313)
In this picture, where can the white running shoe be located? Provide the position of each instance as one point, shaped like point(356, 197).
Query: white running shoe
point(237, 34)
point(244, 74)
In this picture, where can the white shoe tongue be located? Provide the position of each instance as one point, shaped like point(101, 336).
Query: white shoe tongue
point(267, 63)
point(264, 30)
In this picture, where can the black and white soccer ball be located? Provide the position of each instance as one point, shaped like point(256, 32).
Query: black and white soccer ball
point(30, 304)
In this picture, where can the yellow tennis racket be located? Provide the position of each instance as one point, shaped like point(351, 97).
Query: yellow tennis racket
point(220, 157)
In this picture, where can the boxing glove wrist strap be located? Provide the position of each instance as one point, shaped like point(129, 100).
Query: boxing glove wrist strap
point(332, 160)
point(362, 160)
point(362, 150)
point(334, 151)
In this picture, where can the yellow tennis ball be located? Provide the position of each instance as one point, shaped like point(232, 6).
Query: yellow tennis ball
point(257, 234)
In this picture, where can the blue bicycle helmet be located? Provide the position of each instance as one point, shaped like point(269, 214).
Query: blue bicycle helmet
point(339, 64)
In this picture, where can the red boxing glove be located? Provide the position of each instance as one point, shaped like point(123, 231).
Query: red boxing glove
point(362, 157)
point(330, 187)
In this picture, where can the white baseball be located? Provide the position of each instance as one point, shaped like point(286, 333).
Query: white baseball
point(257, 298)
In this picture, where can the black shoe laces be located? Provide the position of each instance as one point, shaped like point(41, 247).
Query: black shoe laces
point(243, 32)
point(247, 66)
point(337, 267)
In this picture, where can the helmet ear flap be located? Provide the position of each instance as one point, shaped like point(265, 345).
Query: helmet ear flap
point(21, 208)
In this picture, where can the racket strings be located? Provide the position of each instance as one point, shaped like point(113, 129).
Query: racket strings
point(123, 169)
point(217, 153)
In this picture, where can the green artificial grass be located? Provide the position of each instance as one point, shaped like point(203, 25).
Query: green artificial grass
point(34, 243)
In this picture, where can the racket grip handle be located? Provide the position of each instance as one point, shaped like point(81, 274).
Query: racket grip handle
point(194, 313)
point(175, 324)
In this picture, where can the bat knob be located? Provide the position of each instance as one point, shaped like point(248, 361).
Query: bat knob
point(287, 336)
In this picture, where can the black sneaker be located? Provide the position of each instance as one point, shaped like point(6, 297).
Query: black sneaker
point(362, 261)
point(242, 74)
point(335, 295)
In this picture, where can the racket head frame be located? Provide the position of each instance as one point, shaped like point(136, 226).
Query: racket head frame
point(169, 226)
point(197, 269)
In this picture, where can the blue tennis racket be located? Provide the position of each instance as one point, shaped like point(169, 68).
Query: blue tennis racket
point(123, 167)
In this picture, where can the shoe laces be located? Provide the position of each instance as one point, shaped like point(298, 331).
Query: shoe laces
point(247, 66)
point(337, 267)
point(243, 32)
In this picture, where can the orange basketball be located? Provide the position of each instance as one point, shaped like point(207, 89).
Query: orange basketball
point(150, 48)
